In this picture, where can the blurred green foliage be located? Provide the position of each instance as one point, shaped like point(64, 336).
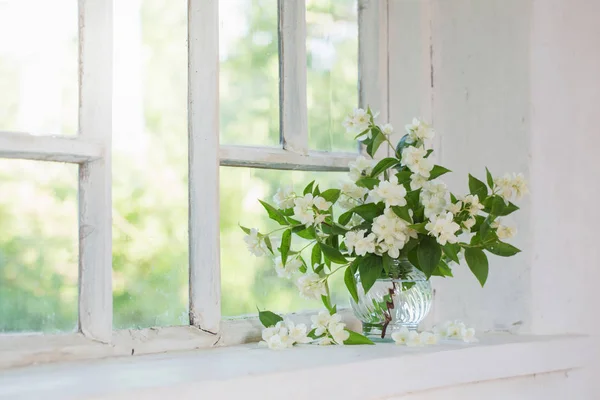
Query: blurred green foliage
point(38, 201)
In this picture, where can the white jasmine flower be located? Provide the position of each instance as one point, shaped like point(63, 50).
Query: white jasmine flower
point(289, 269)
point(414, 159)
point(338, 332)
point(320, 218)
point(320, 322)
point(472, 201)
point(321, 203)
point(360, 167)
point(443, 228)
point(276, 342)
point(419, 131)
point(390, 192)
point(255, 243)
point(267, 333)
point(325, 341)
point(508, 186)
point(297, 333)
point(401, 335)
point(414, 339)
point(519, 185)
point(387, 129)
point(433, 205)
point(417, 181)
point(303, 210)
point(391, 232)
point(429, 338)
point(311, 286)
point(505, 232)
point(468, 335)
point(352, 237)
point(455, 208)
point(284, 198)
point(365, 245)
point(357, 122)
point(347, 203)
point(469, 223)
point(353, 191)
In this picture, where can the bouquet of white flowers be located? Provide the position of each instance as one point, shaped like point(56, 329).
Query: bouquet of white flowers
point(394, 208)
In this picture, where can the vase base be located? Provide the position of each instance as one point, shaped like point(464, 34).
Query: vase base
point(373, 331)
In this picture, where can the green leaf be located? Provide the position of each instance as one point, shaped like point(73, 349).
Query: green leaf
point(420, 227)
point(309, 188)
point(476, 187)
point(246, 230)
point(327, 303)
point(316, 191)
point(388, 263)
point(332, 254)
point(403, 177)
point(312, 335)
point(401, 145)
point(412, 199)
point(369, 211)
point(502, 249)
point(315, 255)
point(350, 282)
point(378, 139)
point(442, 269)
point(331, 195)
point(478, 263)
point(485, 229)
point(345, 218)
point(286, 242)
point(494, 205)
point(333, 229)
point(490, 179)
point(437, 171)
point(508, 209)
point(402, 212)
point(357, 338)
point(384, 165)
point(429, 254)
point(274, 213)
point(453, 199)
point(268, 318)
point(268, 243)
point(451, 251)
point(479, 219)
point(368, 183)
point(370, 270)
point(305, 233)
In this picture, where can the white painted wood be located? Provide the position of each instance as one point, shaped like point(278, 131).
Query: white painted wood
point(410, 70)
point(373, 60)
point(337, 372)
point(49, 148)
point(292, 73)
point(274, 158)
point(27, 349)
point(203, 133)
point(95, 124)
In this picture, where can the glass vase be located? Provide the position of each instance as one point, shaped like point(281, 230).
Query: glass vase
point(403, 300)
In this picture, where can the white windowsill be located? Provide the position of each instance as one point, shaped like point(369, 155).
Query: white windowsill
point(248, 372)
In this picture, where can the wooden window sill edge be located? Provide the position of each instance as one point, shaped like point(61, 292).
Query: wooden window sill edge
point(309, 371)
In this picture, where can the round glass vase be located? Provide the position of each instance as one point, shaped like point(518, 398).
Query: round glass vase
point(401, 300)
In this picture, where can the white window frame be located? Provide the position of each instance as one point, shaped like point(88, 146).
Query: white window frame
point(91, 150)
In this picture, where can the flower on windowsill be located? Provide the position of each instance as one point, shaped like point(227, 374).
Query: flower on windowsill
point(394, 209)
point(456, 330)
point(413, 338)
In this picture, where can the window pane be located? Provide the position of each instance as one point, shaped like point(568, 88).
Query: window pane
point(38, 246)
point(150, 243)
point(38, 66)
point(249, 72)
point(248, 281)
point(332, 74)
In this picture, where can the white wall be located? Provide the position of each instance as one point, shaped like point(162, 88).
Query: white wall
point(516, 87)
